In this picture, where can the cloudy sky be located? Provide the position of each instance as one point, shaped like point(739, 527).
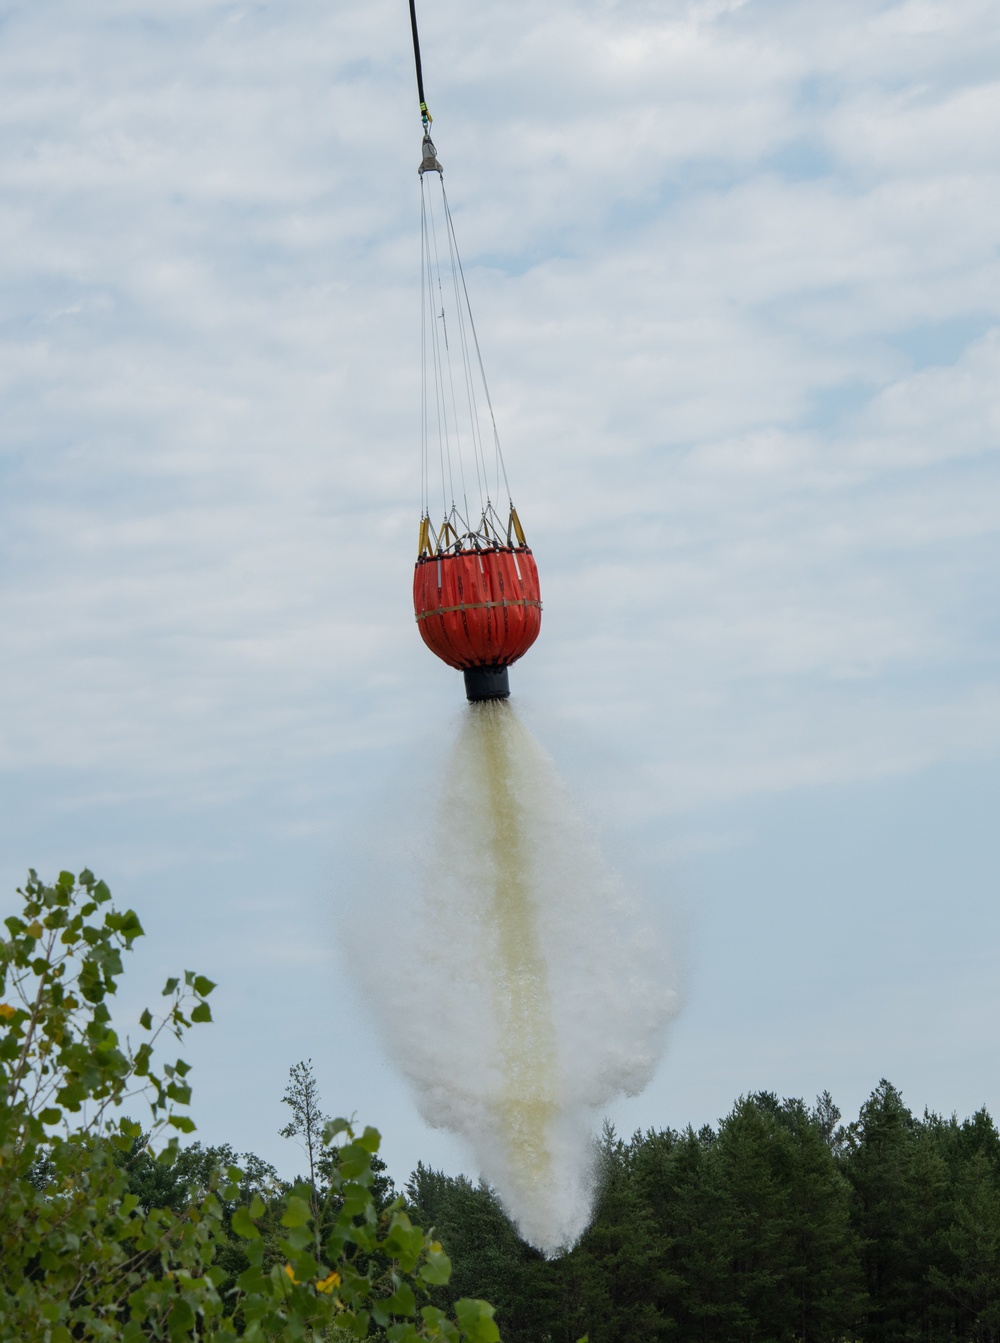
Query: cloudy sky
point(736, 276)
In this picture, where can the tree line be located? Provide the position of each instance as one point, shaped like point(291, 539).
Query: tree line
point(779, 1225)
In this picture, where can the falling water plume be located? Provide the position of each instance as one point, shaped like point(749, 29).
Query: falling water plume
point(535, 991)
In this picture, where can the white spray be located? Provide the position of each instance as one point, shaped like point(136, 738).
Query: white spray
point(533, 992)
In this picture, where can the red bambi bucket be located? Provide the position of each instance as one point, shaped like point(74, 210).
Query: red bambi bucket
point(478, 608)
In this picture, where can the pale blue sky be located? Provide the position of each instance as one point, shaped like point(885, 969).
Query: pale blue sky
point(735, 271)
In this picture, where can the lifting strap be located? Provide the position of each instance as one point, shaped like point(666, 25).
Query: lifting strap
point(425, 116)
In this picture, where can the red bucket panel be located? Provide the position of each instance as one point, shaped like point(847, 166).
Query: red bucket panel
point(478, 608)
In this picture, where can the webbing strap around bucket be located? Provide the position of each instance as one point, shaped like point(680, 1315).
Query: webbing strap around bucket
point(476, 606)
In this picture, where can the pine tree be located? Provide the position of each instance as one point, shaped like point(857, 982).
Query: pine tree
point(879, 1163)
point(487, 1254)
point(624, 1285)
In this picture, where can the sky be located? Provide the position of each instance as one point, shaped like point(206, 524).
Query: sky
point(736, 278)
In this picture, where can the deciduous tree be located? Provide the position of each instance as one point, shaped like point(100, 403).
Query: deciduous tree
point(84, 1257)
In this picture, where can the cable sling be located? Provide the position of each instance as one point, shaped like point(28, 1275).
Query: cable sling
point(475, 589)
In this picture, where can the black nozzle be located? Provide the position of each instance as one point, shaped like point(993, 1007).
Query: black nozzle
point(486, 683)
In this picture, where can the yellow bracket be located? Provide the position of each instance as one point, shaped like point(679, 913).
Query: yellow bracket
point(446, 536)
point(515, 522)
point(424, 546)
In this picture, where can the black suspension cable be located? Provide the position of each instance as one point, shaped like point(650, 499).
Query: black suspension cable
point(424, 114)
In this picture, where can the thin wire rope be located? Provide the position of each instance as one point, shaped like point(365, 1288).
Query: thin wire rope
point(451, 368)
point(447, 363)
point(427, 274)
point(444, 441)
point(426, 279)
point(424, 465)
point(450, 430)
point(482, 476)
point(502, 467)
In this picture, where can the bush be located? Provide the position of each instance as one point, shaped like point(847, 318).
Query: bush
point(84, 1257)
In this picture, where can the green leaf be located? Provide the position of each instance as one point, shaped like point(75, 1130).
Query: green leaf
point(170, 986)
point(304, 1265)
point(404, 1241)
point(183, 1122)
point(356, 1324)
point(437, 1270)
point(257, 1208)
point(243, 1226)
point(370, 1140)
point(439, 1324)
point(251, 1279)
point(356, 1198)
point(146, 1020)
point(354, 1161)
point(202, 986)
point(402, 1301)
point(296, 1240)
point(297, 1211)
point(403, 1333)
point(475, 1319)
point(202, 1012)
point(50, 1115)
point(127, 925)
point(180, 1319)
point(335, 1243)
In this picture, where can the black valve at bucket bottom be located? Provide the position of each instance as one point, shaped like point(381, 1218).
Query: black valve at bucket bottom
point(486, 683)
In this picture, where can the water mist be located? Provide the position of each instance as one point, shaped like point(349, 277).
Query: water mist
point(533, 991)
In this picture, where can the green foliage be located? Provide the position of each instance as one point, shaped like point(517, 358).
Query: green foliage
point(492, 1260)
point(780, 1225)
point(103, 1238)
point(927, 1207)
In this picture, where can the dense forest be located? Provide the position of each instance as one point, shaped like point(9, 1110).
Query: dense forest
point(781, 1224)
